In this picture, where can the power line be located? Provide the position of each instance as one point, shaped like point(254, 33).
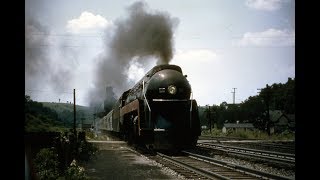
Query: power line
point(67, 35)
point(259, 36)
point(190, 37)
point(48, 91)
point(46, 45)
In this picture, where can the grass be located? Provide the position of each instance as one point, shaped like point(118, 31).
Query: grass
point(250, 134)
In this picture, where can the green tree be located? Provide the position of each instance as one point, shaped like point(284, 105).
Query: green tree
point(221, 112)
point(253, 109)
point(289, 104)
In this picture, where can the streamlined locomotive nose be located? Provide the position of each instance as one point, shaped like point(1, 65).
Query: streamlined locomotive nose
point(168, 84)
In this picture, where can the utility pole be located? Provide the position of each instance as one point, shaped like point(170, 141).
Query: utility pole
point(259, 90)
point(234, 94)
point(209, 116)
point(267, 104)
point(74, 113)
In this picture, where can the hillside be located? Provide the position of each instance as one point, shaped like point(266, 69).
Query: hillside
point(65, 113)
point(39, 118)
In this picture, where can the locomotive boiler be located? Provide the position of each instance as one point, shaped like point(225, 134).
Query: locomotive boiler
point(157, 112)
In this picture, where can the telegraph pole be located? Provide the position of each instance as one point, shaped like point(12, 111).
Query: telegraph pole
point(210, 119)
point(209, 116)
point(74, 113)
point(267, 104)
point(259, 90)
point(94, 121)
point(234, 94)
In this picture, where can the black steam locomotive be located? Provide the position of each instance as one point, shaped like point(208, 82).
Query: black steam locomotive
point(156, 112)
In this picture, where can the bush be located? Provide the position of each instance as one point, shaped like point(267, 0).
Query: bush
point(214, 132)
point(90, 135)
point(75, 172)
point(56, 162)
point(86, 150)
point(46, 164)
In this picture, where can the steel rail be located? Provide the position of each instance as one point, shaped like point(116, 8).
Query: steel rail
point(207, 174)
point(258, 173)
point(278, 154)
point(277, 159)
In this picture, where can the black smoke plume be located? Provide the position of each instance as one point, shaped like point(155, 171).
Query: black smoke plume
point(141, 36)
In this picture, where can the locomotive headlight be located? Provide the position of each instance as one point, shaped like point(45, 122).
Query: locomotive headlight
point(172, 89)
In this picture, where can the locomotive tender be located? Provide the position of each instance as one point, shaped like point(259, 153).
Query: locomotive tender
point(157, 111)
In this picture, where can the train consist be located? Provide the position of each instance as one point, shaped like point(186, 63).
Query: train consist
point(156, 112)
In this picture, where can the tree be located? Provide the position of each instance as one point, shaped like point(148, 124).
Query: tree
point(253, 109)
point(289, 104)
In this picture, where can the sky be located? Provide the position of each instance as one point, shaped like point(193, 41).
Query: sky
point(219, 44)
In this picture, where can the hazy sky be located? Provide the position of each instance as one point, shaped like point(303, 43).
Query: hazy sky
point(219, 44)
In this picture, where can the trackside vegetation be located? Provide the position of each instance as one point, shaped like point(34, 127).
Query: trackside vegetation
point(52, 149)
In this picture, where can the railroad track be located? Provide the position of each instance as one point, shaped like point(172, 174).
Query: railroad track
point(223, 138)
point(268, 156)
point(195, 166)
point(283, 147)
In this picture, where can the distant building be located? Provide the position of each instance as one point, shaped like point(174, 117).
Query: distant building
point(233, 105)
point(237, 126)
point(280, 121)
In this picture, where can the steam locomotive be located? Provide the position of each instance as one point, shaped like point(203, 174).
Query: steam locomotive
point(157, 112)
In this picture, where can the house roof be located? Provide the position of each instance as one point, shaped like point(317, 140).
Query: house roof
point(292, 117)
point(276, 115)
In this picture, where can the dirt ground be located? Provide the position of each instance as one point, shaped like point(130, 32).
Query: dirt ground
point(115, 160)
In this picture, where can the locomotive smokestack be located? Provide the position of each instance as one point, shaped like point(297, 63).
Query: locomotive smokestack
point(143, 34)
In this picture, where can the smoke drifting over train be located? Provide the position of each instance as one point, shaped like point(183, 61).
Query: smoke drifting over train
point(36, 58)
point(142, 36)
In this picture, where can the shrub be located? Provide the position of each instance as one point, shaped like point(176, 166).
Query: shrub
point(90, 135)
point(46, 164)
point(214, 132)
point(86, 150)
point(75, 172)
